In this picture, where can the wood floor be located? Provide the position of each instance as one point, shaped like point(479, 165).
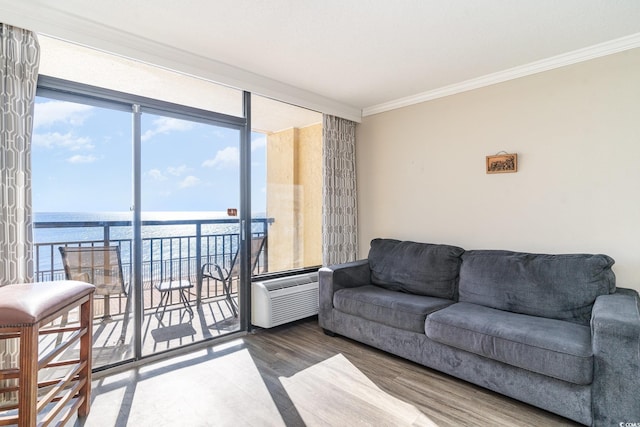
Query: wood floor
point(294, 375)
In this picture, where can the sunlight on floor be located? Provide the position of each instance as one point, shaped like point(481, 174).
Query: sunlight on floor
point(216, 386)
point(327, 392)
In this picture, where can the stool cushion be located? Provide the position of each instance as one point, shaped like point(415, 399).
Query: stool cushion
point(28, 304)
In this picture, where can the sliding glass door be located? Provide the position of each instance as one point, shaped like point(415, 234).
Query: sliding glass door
point(144, 199)
point(190, 230)
point(81, 177)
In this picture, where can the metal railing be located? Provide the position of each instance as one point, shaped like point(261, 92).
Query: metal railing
point(171, 249)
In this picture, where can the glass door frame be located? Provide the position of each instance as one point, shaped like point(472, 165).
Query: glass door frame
point(244, 287)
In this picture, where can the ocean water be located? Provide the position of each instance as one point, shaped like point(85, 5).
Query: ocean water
point(160, 242)
point(96, 233)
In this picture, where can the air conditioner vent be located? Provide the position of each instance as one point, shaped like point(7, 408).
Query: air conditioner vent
point(278, 301)
point(287, 282)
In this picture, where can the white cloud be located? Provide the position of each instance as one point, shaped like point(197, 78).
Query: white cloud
point(48, 113)
point(78, 158)
point(177, 170)
point(190, 181)
point(58, 140)
point(227, 157)
point(156, 175)
point(259, 143)
point(164, 125)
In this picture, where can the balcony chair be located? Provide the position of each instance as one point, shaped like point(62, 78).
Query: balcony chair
point(101, 266)
point(226, 276)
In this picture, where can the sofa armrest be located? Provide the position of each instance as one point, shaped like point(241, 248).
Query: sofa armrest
point(335, 277)
point(341, 276)
point(615, 332)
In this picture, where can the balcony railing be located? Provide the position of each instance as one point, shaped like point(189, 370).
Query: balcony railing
point(171, 249)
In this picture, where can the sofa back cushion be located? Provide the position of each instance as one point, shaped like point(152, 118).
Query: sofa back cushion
point(416, 268)
point(560, 287)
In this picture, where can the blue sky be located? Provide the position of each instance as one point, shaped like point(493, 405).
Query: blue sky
point(82, 157)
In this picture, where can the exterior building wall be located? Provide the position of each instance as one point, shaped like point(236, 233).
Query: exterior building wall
point(294, 197)
point(310, 177)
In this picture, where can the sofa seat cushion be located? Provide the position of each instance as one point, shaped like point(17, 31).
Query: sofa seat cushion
point(391, 308)
point(551, 347)
point(416, 268)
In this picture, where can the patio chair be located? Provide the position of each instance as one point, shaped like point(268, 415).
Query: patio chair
point(101, 266)
point(227, 275)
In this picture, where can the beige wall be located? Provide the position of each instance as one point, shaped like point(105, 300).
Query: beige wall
point(294, 197)
point(421, 169)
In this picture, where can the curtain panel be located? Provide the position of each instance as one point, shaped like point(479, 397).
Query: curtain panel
point(19, 59)
point(339, 197)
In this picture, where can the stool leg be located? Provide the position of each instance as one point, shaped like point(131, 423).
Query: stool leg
point(28, 377)
point(86, 343)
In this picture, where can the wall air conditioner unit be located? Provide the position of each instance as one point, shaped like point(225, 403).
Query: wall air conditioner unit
point(282, 300)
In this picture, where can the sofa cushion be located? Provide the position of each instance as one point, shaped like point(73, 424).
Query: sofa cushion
point(550, 347)
point(416, 268)
point(560, 287)
point(397, 309)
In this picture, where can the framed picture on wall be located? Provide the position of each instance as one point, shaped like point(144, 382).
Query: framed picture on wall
point(502, 163)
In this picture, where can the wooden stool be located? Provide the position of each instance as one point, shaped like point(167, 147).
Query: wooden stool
point(24, 311)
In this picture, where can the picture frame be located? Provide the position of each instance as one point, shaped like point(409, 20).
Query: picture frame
point(502, 163)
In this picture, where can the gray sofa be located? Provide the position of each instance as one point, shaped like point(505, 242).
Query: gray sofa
point(549, 330)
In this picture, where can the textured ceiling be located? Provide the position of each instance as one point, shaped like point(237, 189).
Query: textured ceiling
point(357, 53)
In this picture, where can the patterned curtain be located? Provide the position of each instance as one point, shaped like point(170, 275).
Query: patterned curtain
point(339, 197)
point(19, 58)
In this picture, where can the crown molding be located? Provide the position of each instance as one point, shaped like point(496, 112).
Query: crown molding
point(580, 55)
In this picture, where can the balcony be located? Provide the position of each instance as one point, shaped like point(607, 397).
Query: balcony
point(171, 249)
